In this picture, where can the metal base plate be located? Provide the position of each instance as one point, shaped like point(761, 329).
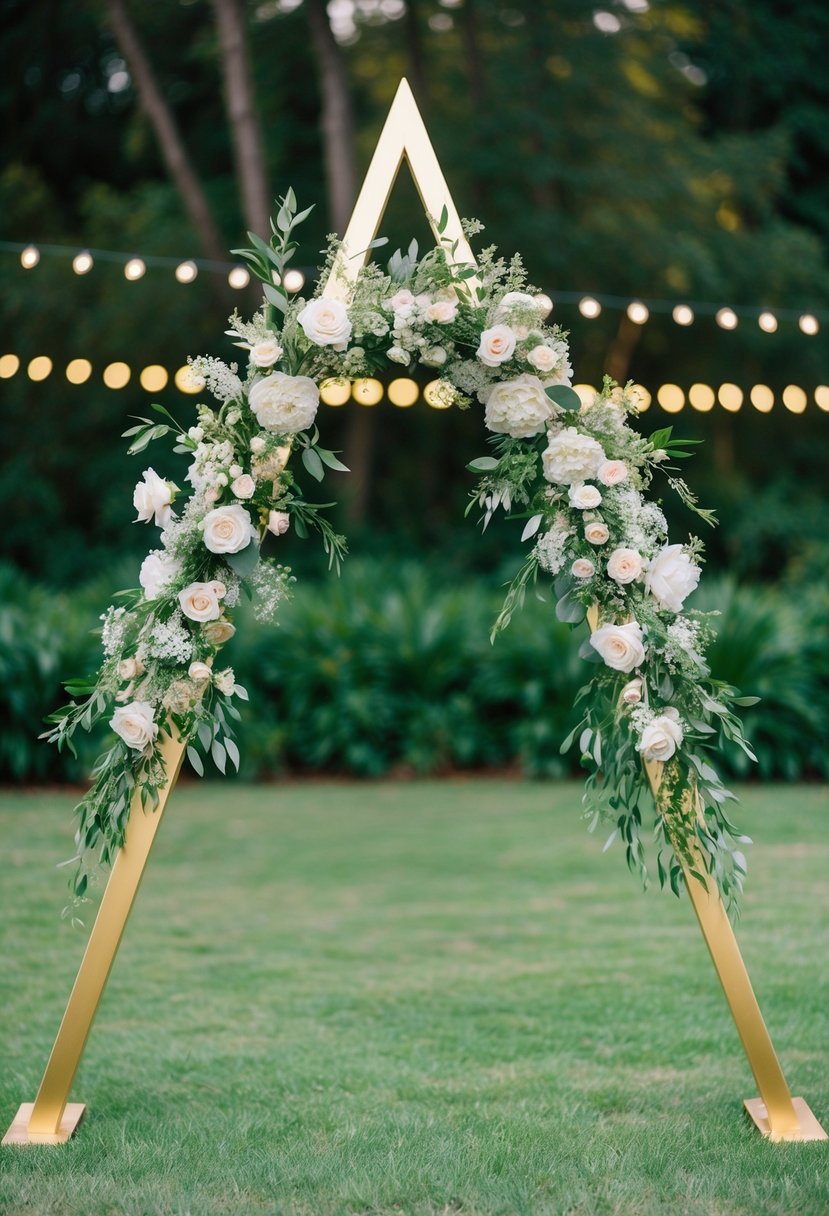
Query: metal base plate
point(808, 1129)
point(18, 1133)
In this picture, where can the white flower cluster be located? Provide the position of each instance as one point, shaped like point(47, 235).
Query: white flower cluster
point(644, 522)
point(682, 646)
point(271, 584)
point(169, 641)
point(115, 624)
point(220, 378)
point(551, 548)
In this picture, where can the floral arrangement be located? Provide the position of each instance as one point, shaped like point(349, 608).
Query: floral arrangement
point(578, 475)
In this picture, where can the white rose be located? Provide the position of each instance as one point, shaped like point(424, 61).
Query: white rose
point(326, 323)
point(518, 407)
point(199, 602)
point(496, 346)
point(571, 457)
point(543, 358)
point(433, 356)
point(611, 472)
point(632, 692)
point(228, 529)
point(620, 646)
point(284, 403)
point(442, 311)
point(279, 522)
point(244, 486)
point(199, 672)
point(152, 497)
point(258, 444)
point(128, 669)
point(661, 737)
point(625, 565)
point(583, 497)
point(402, 300)
point(157, 571)
point(596, 533)
point(225, 681)
point(136, 724)
point(216, 633)
point(671, 576)
point(398, 355)
point(266, 353)
point(582, 567)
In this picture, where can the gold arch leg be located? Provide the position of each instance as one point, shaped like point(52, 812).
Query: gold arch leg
point(51, 1119)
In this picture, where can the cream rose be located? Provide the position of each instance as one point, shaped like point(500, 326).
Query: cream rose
point(496, 346)
point(620, 646)
point(199, 602)
point(611, 472)
point(632, 692)
point(128, 669)
point(402, 300)
point(326, 323)
point(136, 724)
point(243, 486)
point(625, 565)
point(279, 522)
point(671, 577)
point(596, 533)
point(442, 311)
point(227, 529)
point(518, 407)
point(571, 457)
point(157, 571)
point(152, 498)
point(286, 404)
point(265, 353)
point(180, 696)
point(582, 567)
point(661, 737)
point(216, 633)
point(543, 358)
point(225, 681)
point(199, 672)
point(583, 497)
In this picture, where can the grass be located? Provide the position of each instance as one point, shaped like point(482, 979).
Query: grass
point(413, 999)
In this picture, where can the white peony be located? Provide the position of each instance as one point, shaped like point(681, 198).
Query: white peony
point(571, 457)
point(582, 567)
point(152, 498)
point(157, 571)
point(266, 353)
point(136, 724)
point(625, 565)
point(279, 522)
point(671, 577)
point(611, 472)
point(496, 346)
point(583, 497)
point(228, 529)
point(518, 407)
point(661, 737)
point(326, 323)
point(596, 533)
point(243, 486)
point(620, 646)
point(200, 602)
point(286, 404)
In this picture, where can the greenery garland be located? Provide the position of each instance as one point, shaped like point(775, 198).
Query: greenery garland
point(577, 473)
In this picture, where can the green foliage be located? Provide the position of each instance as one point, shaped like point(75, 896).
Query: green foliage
point(390, 670)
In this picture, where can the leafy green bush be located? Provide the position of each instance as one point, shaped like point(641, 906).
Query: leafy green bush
point(390, 670)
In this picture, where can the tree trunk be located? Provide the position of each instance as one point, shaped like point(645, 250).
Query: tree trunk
point(337, 129)
point(414, 55)
point(246, 132)
point(166, 130)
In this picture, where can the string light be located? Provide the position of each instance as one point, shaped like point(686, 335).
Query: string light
point(367, 392)
point(642, 396)
point(726, 318)
point(590, 308)
point(78, 371)
point(30, 257)
point(335, 391)
point(544, 305)
point(238, 277)
point(116, 375)
point(294, 280)
point(154, 378)
point(683, 315)
point(637, 312)
point(9, 366)
point(671, 398)
point(821, 395)
point(794, 398)
point(135, 269)
point(39, 367)
point(82, 262)
point(701, 397)
point(186, 380)
point(586, 393)
point(731, 397)
point(762, 398)
point(435, 397)
point(808, 324)
point(186, 272)
point(767, 322)
point(403, 392)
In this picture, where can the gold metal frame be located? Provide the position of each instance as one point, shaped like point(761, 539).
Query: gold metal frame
point(50, 1120)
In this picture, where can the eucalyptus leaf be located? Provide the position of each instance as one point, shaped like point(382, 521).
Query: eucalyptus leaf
point(245, 561)
point(563, 396)
point(313, 463)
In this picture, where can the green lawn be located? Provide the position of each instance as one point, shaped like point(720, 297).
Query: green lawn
point(416, 998)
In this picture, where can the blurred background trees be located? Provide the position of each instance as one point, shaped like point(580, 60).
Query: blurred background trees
point(660, 151)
